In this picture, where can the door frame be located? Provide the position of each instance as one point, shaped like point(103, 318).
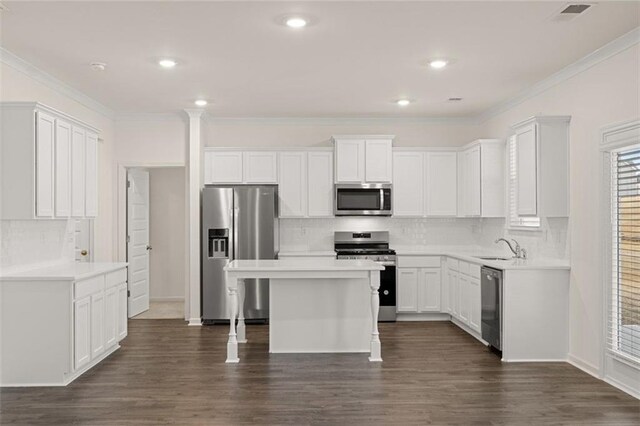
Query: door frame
point(121, 214)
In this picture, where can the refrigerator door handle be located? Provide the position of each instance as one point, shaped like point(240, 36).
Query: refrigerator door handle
point(235, 231)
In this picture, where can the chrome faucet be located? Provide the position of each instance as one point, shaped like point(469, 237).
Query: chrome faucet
point(518, 252)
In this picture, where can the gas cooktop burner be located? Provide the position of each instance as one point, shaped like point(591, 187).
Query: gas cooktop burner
point(365, 251)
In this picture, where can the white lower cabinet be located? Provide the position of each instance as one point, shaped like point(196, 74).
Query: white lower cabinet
point(464, 293)
point(82, 332)
point(97, 324)
point(122, 311)
point(111, 316)
point(419, 287)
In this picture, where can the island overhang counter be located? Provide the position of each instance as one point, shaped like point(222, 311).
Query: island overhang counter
point(316, 305)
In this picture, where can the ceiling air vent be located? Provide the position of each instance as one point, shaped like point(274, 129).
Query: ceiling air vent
point(571, 11)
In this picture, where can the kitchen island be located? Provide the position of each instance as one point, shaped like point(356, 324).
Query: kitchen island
point(316, 305)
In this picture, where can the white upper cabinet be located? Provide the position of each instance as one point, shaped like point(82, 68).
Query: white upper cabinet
point(441, 183)
point(378, 161)
point(91, 175)
point(260, 167)
point(223, 167)
point(45, 145)
point(63, 169)
point(320, 183)
point(37, 165)
point(360, 159)
point(350, 161)
point(481, 177)
point(292, 184)
point(542, 166)
point(78, 162)
point(408, 187)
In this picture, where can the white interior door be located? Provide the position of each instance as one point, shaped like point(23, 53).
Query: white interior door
point(84, 240)
point(138, 240)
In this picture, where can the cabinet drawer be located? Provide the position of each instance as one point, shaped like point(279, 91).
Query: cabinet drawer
point(474, 271)
point(418, 261)
point(453, 264)
point(86, 287)
point(116, 277)
point(463, 267)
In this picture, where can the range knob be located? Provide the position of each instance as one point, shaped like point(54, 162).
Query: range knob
point(386, 292)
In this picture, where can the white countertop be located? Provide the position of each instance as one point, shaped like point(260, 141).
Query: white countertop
point(62, 272)
point(302, 264)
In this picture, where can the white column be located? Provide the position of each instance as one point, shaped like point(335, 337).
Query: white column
point(232, 302)
point(374, 282)
point(242, 336)
point(193, 218)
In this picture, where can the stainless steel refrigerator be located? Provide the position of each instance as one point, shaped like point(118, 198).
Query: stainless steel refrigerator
point(238, 222)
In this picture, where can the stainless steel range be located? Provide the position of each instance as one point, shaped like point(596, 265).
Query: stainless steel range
point(373, 246)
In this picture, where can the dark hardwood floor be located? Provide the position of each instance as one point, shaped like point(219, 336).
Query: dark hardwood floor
point(433, 373)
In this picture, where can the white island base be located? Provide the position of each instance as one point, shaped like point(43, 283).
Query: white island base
point(316, 306)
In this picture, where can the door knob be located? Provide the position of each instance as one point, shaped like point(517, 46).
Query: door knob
point(149, 247)
point(84, 252)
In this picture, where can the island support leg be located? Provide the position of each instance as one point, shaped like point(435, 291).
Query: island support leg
point(242, 336)
point(374, 282)
point(232, 299)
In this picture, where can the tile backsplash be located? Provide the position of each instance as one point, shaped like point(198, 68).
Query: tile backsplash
point(317, 234)
point(28, 243)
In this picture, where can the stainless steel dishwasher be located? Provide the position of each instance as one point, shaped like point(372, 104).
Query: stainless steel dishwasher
point(491, 299)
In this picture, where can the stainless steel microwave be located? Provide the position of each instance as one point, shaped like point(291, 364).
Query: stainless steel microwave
point(367, 199)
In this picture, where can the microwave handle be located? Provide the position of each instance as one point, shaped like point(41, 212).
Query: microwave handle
point(381, 198)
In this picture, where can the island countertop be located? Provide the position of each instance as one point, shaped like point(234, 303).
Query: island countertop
point(302, 265)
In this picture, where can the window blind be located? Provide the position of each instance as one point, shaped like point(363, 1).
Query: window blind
point(516, 221)
point(624, 309)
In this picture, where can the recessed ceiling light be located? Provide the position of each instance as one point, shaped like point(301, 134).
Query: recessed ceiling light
point(295, 22)
point(201, 102)
point(403, 102)
point(438, 63)
point(167, 63)
point(98, 66)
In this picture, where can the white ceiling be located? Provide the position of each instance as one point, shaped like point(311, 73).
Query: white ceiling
point(354, 61)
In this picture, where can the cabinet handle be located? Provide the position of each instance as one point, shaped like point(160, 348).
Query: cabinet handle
point(84, 252)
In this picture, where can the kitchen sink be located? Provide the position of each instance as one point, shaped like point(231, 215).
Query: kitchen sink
point(493, 258)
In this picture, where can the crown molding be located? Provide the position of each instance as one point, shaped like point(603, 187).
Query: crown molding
point(338, 120)
point(19, 64)
point(610, 49)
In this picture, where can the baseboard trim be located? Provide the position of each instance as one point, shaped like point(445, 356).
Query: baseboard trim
point(435, 316)
point(623, 387)
point(585, 366)
point(195, 322)
point(166, 299)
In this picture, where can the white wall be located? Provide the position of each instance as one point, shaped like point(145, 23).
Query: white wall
point(606, 93)
point(167, 233)
point(18, 86)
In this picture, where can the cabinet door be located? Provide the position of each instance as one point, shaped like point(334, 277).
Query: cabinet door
point(441, 175)
point(97, 324)
point(81, 332)
point(122, 311)
point(260, 167)
point(454, 285)
point(223, 167)
point(445, 306)
point(78, 159)
point(349, 162)
point(407, 290)
point(378, 161)
point(463, 298)
point(526, 171)
point(320, 184)
point(429, 290)
point(475, 306)
point(45, 138)
point(91, 175)
point(63, 169)
point(111, 316)
point(473, 181)
point(408, 184)
point(292, 184)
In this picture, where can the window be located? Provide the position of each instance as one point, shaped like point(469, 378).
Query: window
point(624, 308)
point(516, 221)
